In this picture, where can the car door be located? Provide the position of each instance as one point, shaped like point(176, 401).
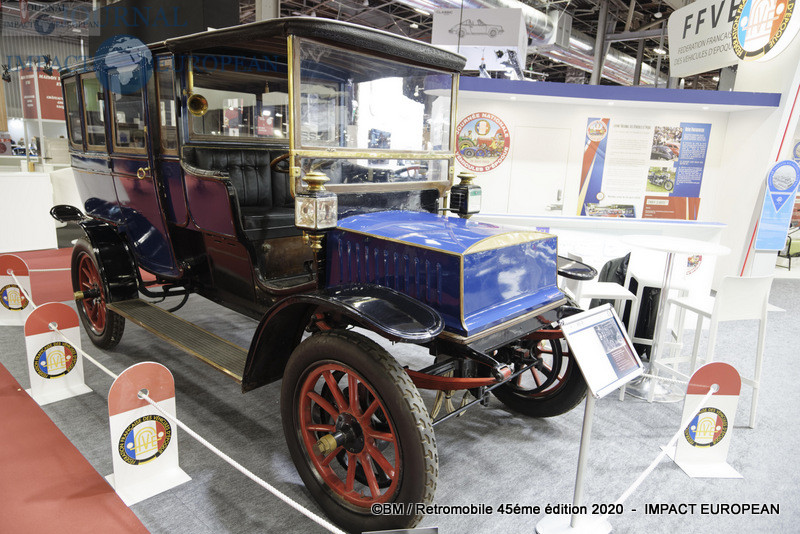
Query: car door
point(137, 192)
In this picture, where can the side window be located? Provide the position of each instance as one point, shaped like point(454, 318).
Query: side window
point(166, 106)
point(129, 122)
point(94, 111)
point(73, 112)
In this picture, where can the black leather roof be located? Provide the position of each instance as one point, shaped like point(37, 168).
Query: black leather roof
point(346, 34)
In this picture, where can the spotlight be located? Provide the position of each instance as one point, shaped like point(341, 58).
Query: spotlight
point(6, 74)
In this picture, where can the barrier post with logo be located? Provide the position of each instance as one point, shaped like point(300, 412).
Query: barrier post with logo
point(14, 305)
point(702, 452)
point(144, 444)
point(54, 365)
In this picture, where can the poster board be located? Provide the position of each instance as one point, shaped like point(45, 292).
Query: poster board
point(602, 348)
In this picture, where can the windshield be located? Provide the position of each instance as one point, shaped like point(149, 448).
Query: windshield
point(354, 101)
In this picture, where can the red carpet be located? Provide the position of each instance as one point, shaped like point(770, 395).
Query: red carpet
point(46, 485)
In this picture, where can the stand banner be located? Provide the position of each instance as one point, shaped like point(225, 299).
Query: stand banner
point(144, 444)
point(54, 365)
point(14, 305)
point(702, 452)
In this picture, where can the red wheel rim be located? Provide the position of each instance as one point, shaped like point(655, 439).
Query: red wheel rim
point(360, 478)
point(94, 309)
point(552, 376)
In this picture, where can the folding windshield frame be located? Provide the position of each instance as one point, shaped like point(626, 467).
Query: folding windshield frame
point(298, 152)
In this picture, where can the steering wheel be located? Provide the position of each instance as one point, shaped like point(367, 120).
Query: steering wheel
point(275, 164)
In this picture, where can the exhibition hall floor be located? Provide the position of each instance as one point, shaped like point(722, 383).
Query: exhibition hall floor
point(489, 456)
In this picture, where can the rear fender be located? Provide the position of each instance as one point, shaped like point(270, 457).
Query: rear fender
point(391, 314)
point(115, 261)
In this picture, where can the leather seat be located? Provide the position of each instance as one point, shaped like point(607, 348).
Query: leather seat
point(265, 201)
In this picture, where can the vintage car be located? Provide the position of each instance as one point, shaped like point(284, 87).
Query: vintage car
point(240, 171)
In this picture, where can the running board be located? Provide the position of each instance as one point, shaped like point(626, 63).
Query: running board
point(202, 344)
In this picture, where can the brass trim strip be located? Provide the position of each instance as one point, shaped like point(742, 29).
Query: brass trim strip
point(521, 319)
point(360, 153)
point(292, 80)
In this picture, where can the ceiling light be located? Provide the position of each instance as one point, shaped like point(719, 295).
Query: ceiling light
point(658, 15)
point(715, 78)
point(422, 12)
point(659, 51)
point(414, 25)
point(705, 108)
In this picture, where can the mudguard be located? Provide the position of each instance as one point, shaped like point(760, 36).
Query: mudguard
point(114, 258)
point(391, 314)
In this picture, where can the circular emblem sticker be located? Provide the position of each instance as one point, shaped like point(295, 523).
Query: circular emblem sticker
point(707, 428)
point(55, 359)
point(693, 263)
point(12, 298)
point(783, 176)
point(144, 439)
point(597, 130)
point(762, 27)
point(483, 142)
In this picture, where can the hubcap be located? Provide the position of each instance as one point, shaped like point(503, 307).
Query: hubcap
point(364, 469)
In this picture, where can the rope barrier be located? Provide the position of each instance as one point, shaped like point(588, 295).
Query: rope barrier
point(638, 482)
point(49, 270)
point(665, 379)
point(236, 465)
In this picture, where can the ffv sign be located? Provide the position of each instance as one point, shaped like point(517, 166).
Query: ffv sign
point(700, 37)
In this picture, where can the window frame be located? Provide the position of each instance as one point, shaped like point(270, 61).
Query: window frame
point(127, 149)
point(91, 147)
point(74, 80)
point(171, 74)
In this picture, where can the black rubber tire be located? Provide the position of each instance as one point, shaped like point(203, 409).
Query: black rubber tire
point(669, 185)
point(109, 336)
point(564, 396)
point(406, 410)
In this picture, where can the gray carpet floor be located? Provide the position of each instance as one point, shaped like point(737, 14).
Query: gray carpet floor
point(489, 455)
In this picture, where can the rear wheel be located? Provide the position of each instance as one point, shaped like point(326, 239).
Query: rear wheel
point(103, 326)
point(555, 386)
point(344, 388)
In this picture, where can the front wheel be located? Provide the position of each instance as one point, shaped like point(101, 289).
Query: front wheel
point(669, 185)
point(103, 326)
point(343, 390)
point(553, 387)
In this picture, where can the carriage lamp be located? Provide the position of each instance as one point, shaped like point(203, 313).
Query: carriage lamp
point(465, 197)
point(316, 210)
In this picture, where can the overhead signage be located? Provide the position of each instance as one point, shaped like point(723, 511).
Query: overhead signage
point(700, 37)
point(776, 210)
point(762, 29)
point(490, 39)
point(41, 91)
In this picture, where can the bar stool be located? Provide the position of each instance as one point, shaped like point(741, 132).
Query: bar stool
point(738, 299)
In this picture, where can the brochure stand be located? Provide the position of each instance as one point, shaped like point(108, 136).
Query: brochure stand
point(606, 357)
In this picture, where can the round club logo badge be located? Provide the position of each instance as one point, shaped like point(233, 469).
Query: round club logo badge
point(597, 130)
point(144, 439)
point(55, 359)
point(483, 142)
point(763, 28)
point(707, 428)
point(12, 298)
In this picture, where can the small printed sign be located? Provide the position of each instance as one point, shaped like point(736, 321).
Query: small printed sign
point(14, 305)
point(776, 211)
point(702, 450)
point(483, 142)
point(144, 444)
point(55, 367)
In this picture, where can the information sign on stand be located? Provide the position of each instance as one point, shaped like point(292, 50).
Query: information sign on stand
point(14, 305)
point(144, 444)
point(605, 356)
point(54, 365)
point(702, 452)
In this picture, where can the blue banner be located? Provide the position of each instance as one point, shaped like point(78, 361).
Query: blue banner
point(776, 211)
point(691, 159)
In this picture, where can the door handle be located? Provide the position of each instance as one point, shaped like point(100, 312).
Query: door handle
point(141, 173)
